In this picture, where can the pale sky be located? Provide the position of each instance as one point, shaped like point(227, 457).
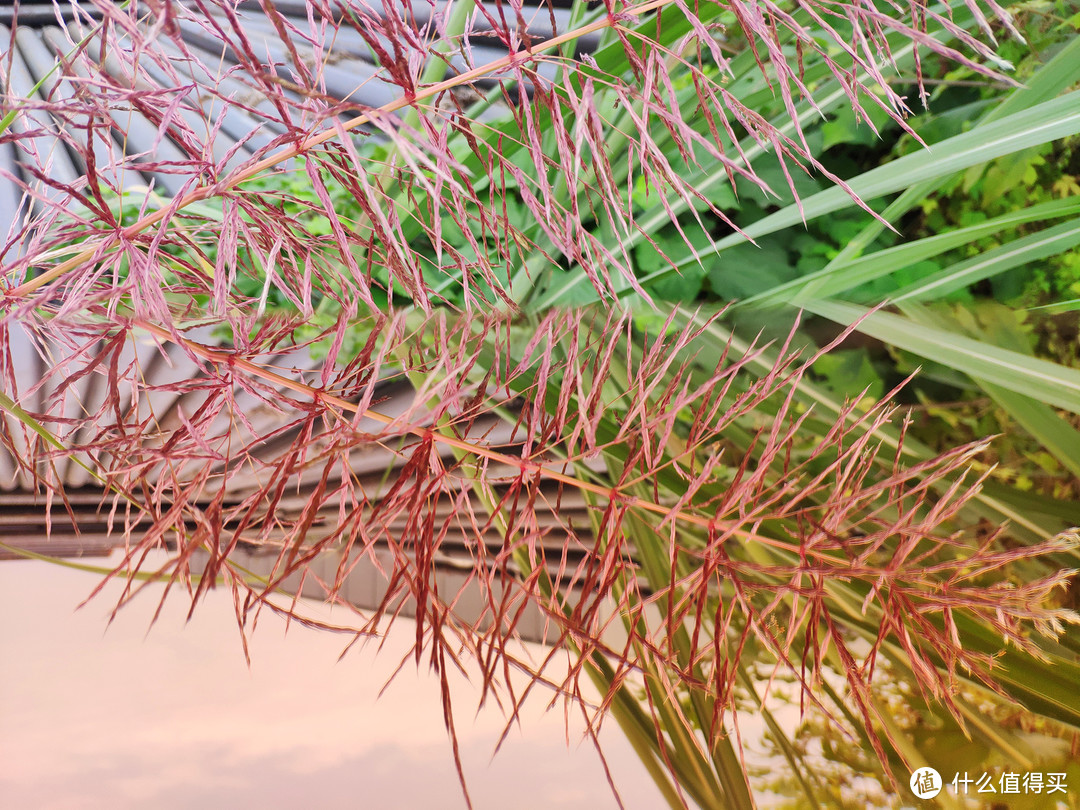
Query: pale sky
point(172, 718)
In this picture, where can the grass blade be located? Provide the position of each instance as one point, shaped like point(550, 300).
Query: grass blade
point(1019, 252)
point(1049, 382)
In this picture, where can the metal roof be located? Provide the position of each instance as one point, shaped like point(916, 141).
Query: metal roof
point(79, 524)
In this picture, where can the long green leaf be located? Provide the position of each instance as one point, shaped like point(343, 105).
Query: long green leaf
point(837, 278)
point(1001, 327)
point(1049, 121)
point(1043, 123)
point(1056, 76)
point(1057, 436)
point(1046, 687)
point(1037, 523)
point(1048, 382)
point(1044, 244)
point(1058, 307)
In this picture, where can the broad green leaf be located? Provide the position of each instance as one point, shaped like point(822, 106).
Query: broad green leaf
point(1047, 687)
point(1055, 76)
point(1030, 515)
point(1050, 80)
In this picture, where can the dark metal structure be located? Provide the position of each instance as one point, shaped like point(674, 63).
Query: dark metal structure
point(35, 36)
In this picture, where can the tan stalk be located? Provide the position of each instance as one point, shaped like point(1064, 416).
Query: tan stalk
point(526, 466)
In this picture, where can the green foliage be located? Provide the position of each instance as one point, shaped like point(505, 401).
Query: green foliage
point(836, 545)
point(962, 230)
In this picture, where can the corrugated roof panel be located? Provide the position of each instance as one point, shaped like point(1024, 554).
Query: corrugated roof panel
point(163, 388)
